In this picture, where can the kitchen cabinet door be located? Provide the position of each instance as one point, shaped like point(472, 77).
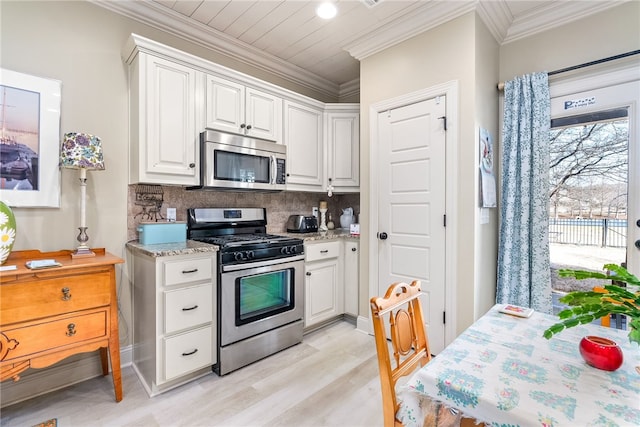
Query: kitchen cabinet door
point(351, 277)
point(303, 138)
point(343, 150)
point(323, 292)
point(236, 108)
point(165, 122)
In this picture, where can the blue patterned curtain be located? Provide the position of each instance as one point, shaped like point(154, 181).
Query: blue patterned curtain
point(524, 276)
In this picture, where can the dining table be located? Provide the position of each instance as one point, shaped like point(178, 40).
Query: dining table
point(501, 371)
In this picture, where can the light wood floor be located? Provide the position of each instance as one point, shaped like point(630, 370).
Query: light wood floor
point(330, 379)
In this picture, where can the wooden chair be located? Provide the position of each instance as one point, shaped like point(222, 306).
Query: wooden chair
point(410, 345)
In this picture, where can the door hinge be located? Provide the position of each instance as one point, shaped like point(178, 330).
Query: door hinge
point(444, 220)
point(444, 317)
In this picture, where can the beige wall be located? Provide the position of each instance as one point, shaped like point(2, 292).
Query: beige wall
point(437, 56)
point(614, 31)
point(486, 104)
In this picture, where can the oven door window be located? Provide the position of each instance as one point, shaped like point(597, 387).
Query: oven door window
point(263, 295)
point(230, 166)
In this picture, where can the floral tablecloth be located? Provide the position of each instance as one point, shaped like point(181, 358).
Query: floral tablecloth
point(503, 372)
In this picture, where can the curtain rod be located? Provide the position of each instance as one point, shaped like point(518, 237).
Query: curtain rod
point(586, 64)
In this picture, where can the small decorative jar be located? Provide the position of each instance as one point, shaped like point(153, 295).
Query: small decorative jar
point(7, 231)
point(601, 353)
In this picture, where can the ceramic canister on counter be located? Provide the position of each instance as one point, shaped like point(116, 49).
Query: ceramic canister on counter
point(7, 231)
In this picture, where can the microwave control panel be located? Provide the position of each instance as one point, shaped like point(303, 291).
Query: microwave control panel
point(281, 172)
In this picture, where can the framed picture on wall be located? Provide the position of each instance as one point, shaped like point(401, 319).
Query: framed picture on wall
point(30, 140)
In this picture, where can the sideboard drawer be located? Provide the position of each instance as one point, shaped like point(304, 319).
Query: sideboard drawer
point(187, 352)
point(54, 333)
point(22, 302)
point(188, 270)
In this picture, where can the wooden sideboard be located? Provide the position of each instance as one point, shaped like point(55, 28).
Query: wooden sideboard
point(49, 314)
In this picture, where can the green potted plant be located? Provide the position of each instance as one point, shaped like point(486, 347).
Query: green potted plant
point(587, 306)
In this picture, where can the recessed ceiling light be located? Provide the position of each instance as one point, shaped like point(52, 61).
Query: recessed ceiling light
point(326, 10)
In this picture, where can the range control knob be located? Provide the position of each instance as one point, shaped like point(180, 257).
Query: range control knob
point(238, 256)
point(250, 254)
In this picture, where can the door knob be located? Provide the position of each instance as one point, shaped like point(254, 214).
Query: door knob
point(382, 236)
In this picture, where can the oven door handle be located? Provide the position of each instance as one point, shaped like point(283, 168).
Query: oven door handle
point(248, 265)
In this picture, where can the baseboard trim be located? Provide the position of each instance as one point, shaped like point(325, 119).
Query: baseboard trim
point(75, 369)
point(363, 324)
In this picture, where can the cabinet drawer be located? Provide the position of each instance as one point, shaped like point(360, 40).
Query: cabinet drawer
point(55, 333)
point(187, 307)
point(318, 251)
point(187, 352)
point(187, 270)
point(50, 297)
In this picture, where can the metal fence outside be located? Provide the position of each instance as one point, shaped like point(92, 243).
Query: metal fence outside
point(591, 232)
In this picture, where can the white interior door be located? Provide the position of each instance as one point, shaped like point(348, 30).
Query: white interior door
point(411, 208)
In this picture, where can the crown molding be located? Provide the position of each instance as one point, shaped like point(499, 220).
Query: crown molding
point(165, 19)
point(418, 21)
point(349, 89)
point(554, 15)
point(497, 17)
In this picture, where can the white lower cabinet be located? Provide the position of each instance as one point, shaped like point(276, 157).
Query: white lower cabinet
point(174, 329)
point(324, 293)
point(351, 276)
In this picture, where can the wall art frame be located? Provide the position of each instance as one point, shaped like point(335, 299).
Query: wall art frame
point(30, 140)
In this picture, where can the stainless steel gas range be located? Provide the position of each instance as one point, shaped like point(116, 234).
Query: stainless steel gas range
point(260, 284)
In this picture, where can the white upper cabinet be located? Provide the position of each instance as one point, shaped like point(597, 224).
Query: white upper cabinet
point(305, 148)
point(342, 138)
point(237, 108)
point(165, 121)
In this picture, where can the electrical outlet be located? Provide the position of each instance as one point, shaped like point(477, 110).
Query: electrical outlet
point(314, 211)
point(171, 214)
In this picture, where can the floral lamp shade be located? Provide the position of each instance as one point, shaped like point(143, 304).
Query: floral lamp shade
point(81, 151)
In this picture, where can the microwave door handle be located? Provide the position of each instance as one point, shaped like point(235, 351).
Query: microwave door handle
point(274, 168)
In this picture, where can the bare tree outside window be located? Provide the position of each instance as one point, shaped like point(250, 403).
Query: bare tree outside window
point(588, 185)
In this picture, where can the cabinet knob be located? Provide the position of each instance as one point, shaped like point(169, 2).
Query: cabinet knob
point(308, 273)
point(66, 294)
point(192, 165)
point(248, 127)
point(71, 329)
point(353, 249)
point(242, 126)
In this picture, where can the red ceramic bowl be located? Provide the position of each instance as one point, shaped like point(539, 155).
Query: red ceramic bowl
point(601, 353)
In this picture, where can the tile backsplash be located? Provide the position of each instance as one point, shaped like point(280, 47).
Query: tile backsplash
point(150, 203)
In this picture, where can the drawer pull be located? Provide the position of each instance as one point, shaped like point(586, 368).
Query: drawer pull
point(190, 308)
point(66, 294)
point(324, 251)
point(189, 271)
point(71, 329)
point(190, 353)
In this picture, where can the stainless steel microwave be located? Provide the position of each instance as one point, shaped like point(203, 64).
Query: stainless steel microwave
point(230, 161)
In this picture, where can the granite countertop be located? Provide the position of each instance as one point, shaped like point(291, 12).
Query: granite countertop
point(168, 249)
point(327, 235)
point(193, 247)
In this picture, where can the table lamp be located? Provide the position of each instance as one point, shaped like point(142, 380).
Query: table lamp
point(82, 151)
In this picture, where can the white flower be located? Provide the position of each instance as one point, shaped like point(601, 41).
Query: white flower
point(6, 236)
point(4, 253)
point(4, 218)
